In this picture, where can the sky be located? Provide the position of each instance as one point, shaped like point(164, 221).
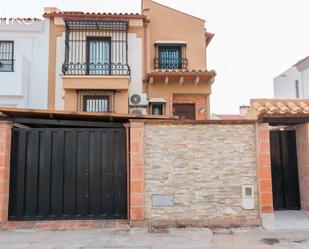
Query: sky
point(255, 40)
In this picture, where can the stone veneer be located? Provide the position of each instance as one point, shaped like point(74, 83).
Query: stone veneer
point(203, 167)
point(302, 141)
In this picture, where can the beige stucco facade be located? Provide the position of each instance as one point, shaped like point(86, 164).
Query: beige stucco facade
point(144, 31)
point(177, 27)
point(168, 92)
point(172, 25)
point(71, 84)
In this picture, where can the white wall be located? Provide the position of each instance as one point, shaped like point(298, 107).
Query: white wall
point(135, 60)
point(305, 80)
point(59, 92)
point(284, 84)
point(27, 86)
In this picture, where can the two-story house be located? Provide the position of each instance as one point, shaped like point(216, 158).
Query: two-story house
point(23, 63)
point(129, 63)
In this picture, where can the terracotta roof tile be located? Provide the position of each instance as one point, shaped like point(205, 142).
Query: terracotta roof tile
point(182, 71)
point(278, 107)
point(203, 74)
point(81, 14)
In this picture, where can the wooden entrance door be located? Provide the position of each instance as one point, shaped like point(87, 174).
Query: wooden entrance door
point(284, 170)
point(184, 111)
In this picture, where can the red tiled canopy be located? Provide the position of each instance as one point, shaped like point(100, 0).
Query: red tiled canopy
point(80, 14)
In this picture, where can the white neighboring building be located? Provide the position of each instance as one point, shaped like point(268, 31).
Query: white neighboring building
point(294, 82)
point(24, 63)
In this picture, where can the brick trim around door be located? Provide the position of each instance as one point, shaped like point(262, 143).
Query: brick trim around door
point(264, 173)
point(5, 152)
point(136, 206)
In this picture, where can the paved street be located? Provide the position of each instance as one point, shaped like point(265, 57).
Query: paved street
point(255, 238)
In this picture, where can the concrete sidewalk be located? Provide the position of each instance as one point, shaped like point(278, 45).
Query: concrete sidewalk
point(186, 238)
point(258, 238)
point(107, 239)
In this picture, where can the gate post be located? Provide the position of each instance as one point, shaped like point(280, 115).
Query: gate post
point(136, 171)
point(263, 159)
point(5, 153)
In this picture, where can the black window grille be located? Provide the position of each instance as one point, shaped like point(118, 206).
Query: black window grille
point(6, 56)
point(99, 103)
point(170, 57)
point(96, 47)
point(95, 100)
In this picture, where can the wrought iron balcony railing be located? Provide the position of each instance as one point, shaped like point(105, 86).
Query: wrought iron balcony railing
point(171, 63)
point(96, 47)
point(95, 69)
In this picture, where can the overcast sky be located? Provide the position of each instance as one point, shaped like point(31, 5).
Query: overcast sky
point(254, 40)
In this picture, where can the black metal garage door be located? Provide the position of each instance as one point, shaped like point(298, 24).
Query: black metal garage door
point(68, 174)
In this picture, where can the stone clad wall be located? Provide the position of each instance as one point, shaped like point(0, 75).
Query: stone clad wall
point(302, 140)
point(202, 168)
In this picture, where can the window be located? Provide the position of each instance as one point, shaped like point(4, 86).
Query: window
point(296, 88)
point(98, 55)
point(6, 56)
point(96, 47)
point(95, 101)
point(170, 56)
point(157, 108)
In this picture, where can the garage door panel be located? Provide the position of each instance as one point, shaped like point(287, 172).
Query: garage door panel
point(82, 173)
point(20, 171)
point(44, 173)
point(68, 174)
point(57, 173)
point(118, 173)
point(70, 159)
point(31, 173)
point(107, 176)
point(95, 173)
point(122, 174)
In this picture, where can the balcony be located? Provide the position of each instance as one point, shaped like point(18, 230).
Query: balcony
point(170, 56)
point(96, 48)
point(170, 63)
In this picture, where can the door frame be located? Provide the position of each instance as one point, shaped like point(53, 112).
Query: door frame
point(283, 160)
point(185, 104)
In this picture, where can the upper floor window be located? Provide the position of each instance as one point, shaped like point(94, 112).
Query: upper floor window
point(96, 47)
point(170, 56)
point(6, 56)
point(99, 55)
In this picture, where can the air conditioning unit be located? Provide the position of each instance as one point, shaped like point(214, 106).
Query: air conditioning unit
point(138, 111)
point(138, 99)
